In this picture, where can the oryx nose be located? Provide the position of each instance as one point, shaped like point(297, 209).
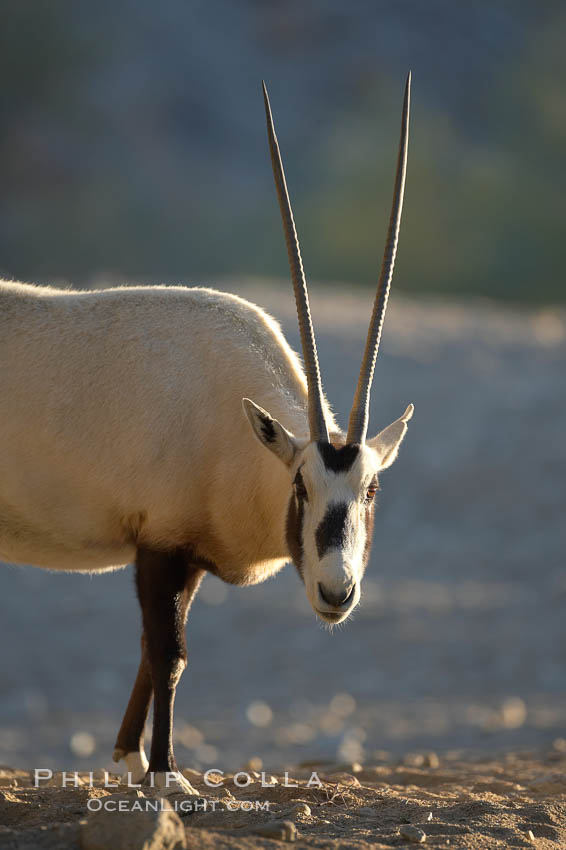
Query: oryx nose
point(336, 600)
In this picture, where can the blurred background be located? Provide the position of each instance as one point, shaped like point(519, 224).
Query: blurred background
point(133, 149)
point(133, 140)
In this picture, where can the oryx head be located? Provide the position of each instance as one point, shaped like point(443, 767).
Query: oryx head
point(334, 479)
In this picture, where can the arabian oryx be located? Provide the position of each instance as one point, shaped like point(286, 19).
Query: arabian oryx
point(124, 439)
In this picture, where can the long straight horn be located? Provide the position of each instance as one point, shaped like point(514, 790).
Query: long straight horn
point(317, 422)
point(359, 417)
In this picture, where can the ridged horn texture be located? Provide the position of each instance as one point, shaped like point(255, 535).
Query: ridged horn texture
point(359, 416)
point(317, 422)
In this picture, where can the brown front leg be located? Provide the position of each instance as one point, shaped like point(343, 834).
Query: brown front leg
point(166, 583)
point(129, 743)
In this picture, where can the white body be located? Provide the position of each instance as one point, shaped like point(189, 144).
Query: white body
point(121, 423)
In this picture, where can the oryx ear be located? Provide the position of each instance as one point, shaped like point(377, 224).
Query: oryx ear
point(270, 432)
point(387, 442)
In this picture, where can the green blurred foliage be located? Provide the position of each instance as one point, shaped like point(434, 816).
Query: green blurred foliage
point(133, 140)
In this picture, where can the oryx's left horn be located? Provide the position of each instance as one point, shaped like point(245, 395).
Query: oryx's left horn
point(317, 422)
point(359, 416)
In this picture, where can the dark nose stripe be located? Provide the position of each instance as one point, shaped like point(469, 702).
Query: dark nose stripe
point(331, 532)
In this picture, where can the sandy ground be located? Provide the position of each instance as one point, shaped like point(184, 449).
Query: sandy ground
point(458, 643)
point(516, 801)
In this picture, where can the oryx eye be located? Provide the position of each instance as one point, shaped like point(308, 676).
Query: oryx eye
point(300, 488)
point(371, 491)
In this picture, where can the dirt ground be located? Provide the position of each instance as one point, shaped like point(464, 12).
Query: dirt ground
point(517, 800)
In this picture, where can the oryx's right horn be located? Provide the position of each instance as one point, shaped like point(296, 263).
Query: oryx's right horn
point(359, 416)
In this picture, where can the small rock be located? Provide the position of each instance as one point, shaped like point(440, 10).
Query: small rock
point(432, 760)
point(414, 760)
point(412, 833)
point(128, 796)
point(7, 795)
point(428, 817)
point(349, 767)
point(279, 830)
point(132, 830)
point(301, 809)
point(513, 713)
point(83, 744)
point(184, 805)
point(189, 774)
point(255, 763)
point(344, 779)
point(530, 835)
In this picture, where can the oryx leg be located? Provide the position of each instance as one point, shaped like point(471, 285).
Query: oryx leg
point(167, 583)
point(129, 743)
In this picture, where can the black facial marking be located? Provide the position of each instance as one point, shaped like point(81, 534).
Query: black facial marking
point(369, 519)
point(338, 460)
point(294, 529)
point(300, 488)
point(331, 532)
point(267, 428)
